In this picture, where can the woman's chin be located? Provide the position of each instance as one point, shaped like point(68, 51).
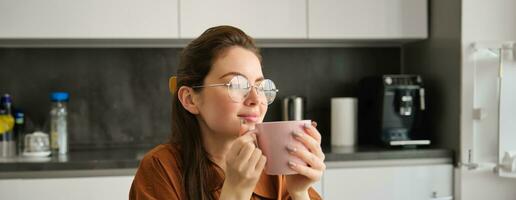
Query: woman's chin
point(246, 128)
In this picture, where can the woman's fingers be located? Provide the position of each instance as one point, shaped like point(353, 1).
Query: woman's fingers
point(255, 158)
point(312, 174)
point(246, 156)
point(261, 163)
point(238, 146)
point(312, 131)
point(244, 140)
point(246, 153)
point(313, 155)
point(310, 158)
point(310, 143)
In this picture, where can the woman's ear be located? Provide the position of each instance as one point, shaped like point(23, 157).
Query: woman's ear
point(186, 97)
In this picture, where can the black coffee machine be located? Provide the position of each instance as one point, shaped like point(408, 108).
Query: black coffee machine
point(390, 111)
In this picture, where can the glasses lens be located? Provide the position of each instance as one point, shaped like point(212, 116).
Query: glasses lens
point(238, 88)
point(268, 88)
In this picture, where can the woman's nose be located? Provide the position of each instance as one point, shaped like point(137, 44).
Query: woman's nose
point(253, 97)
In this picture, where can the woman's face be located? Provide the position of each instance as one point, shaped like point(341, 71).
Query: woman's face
point(218, 112)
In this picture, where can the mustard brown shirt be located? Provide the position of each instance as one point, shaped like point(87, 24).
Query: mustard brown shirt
point(159, 177)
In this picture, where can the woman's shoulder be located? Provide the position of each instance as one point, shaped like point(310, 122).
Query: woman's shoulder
point(163, 150)
point(165, 155)
point(159, 175)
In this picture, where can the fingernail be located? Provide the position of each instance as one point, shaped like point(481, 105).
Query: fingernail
point(291, 149)
point(291, 164)
point(296, 134)
point(314, 124)
point(307, 125)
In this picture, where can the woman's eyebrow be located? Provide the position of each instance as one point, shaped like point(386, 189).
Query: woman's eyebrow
point(240, 74)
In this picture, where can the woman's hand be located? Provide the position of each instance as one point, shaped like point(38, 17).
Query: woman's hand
point(298, 184)
point(244, 165)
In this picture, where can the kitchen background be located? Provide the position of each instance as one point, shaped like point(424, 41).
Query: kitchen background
point(120, 98)
point(118, 55)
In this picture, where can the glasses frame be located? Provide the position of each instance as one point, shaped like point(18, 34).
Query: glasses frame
point(250, 86)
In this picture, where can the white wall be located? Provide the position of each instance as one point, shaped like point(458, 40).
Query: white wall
point(483, 21)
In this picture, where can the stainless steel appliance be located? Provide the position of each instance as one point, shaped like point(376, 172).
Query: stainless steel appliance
point(293, 108)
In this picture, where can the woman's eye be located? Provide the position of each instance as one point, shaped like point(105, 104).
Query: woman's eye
point(265, 89)
point(238, 86)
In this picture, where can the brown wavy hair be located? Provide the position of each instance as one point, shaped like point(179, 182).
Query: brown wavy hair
point(195, 63)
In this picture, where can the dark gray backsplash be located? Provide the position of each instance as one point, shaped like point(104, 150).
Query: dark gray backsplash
point(119, 97)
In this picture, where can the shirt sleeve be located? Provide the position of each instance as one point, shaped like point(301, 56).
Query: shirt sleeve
point(155, 180)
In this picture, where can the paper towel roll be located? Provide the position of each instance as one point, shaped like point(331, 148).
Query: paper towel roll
point(343, 121)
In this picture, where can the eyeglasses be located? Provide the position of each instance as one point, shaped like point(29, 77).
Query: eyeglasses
point(238, 89)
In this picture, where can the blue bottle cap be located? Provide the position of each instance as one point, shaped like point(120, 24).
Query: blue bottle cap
point(6, 98)
point(59, 96)
point(18, 114)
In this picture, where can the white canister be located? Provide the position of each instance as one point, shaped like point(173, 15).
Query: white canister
point(344, 121)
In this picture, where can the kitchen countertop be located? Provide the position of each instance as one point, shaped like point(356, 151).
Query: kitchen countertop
point(125, 161)
point(378, 153)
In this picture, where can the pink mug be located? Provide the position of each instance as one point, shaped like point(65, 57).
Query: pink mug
point(273, 139)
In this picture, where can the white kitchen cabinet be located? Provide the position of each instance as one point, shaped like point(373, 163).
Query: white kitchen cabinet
point(261, 19)
point(78, 188)
point(91, 19)
point(417, 182)
point(367, 19)
point(127, 23)
point(84, 188)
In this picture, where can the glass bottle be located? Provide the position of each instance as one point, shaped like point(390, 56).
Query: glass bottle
point(19, 130)
point(59, 123)
point(9, 147)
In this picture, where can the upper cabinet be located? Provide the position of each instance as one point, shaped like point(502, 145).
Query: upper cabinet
point(264, 19)
point(90, 19)
point(367, 19)
point(166, 23)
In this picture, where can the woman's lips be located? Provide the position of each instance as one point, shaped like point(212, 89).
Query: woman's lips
point(250, 119)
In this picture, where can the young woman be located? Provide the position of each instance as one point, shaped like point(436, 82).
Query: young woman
point(221, 92)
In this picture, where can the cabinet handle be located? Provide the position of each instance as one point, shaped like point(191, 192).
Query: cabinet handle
point(434, 197)
point(442, 198)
